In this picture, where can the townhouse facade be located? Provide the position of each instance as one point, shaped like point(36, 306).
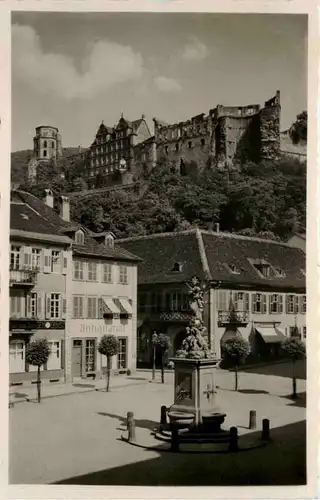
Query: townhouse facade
point(69, 286)
point(254, 289)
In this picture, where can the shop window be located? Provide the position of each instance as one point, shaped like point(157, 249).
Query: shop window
point(17, 357)
point(90, 355)
point(122, 355)
point(54, 361)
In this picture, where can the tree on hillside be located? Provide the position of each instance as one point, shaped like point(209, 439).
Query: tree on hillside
point(299, 129)
point(37, 354)
point(109, 347)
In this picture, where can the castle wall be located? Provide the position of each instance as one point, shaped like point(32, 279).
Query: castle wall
point(270, 129)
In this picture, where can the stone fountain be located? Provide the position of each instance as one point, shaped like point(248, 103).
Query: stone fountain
point(195, 395)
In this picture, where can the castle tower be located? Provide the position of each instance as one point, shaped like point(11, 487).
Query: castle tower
point(47, 143)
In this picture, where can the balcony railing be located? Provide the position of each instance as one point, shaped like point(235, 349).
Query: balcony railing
point(27, 277)
point(237, 318)
point(165, 314)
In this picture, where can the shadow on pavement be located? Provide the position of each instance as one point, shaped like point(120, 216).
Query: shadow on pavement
point(84, 385)
point(19, 395)
point(280, 369)
point(143, 423)
point(281, 462)
point(300, 401)
point(252, 391)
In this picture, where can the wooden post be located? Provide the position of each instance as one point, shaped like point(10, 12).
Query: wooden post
point(265, 429)
point(131, 427)
point(252, 419)
point(233, 445)
point(174, 439)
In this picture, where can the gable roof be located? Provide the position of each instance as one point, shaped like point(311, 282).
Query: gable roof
point(207, 254)
point(29, 214)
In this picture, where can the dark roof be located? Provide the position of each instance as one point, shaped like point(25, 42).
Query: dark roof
point(29, 213)
point(209, 254)
point(161, 251)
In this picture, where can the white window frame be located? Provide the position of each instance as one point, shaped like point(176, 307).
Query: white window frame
point(303, 304)
point(13, 353)
point(56, 261)
point(79, 238)
point(16, 306)
point(259, 298)
point(92, 307)
point(92, 271)
point(15, 257)
point(34, 305)
point(275, 299)
point(54, 360)
point(78, 306)
point(36, 258)
point(107, 272)
point(78, 270)
point(123, 275)
point(292, 306)
point(55, 305)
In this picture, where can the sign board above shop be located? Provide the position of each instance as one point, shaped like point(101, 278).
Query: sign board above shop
point(101, 329)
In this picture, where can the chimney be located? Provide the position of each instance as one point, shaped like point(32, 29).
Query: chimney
point(217, 227)
point(65, 209)
point(49, 198)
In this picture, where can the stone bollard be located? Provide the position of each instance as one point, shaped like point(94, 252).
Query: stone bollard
point(131, 427)
point(265, 429)
point(163, 417)
point(174, 439)
point(233, 445)
point(252, 419)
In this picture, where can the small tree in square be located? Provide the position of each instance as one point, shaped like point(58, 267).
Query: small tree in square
point(163, 346)
point(108, 346)
point(37, 354)
point(235, 350)
point(294, 349)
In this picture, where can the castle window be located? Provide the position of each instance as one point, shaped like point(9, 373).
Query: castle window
point(177, 147)
point(45, 144)
point(166, 150)
point(52, 144)
point(189, 144)
point(203, 142)
point(44, 152)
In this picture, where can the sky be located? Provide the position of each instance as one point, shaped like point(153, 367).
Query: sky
point(73, 70)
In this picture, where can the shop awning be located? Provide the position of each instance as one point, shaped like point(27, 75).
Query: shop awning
point(125, 306)
point(109, 307)
point(270, 335)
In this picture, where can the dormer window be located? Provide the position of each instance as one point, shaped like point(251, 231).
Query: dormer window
point(177, 267)
point(281, 273)
point(109, 241)
point(262, 266)
point(79, 237)
point(233, 268)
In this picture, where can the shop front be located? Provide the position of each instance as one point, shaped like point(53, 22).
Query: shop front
point(83, 357)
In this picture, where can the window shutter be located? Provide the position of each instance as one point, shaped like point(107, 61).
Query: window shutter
point(287, 304)
point(47, 261)
point(100, 309)
point(82, 303)
point(27, 257)
point(296, 304)
point(254, 298)
point(264, 308)
point(64, 262)
point(270, 303)
point(39, 305)
point(19, 298)
point(246, 302)
point(62, 354)
point(47, 306)
point(280, 303)
point(28, 299)
point(63, 306)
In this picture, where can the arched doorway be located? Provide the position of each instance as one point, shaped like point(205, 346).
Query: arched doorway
point(179, 338)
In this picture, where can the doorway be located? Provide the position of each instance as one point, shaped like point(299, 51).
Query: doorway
point(76, 360)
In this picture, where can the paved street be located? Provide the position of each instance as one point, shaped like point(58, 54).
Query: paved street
point(77, 435)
